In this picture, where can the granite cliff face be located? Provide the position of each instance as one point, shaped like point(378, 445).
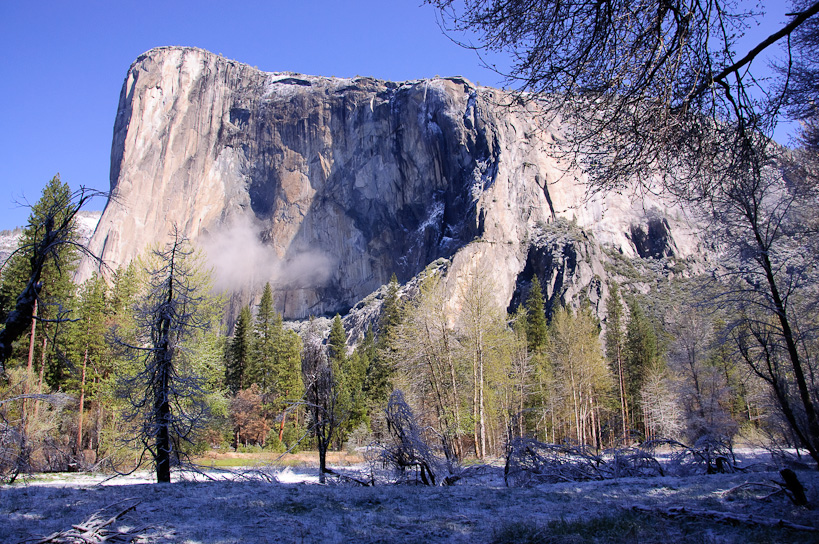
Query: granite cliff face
point(326, 186)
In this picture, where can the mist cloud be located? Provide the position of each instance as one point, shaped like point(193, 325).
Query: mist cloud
point(240, 260)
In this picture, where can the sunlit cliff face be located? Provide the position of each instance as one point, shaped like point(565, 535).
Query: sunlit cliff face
point(324, 187)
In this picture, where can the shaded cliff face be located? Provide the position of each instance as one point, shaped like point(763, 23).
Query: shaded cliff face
point(326, 186)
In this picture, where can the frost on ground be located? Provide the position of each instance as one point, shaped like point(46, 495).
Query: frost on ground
point(478, 509)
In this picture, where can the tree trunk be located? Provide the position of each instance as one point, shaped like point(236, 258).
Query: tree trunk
point(481, 407)
point(475, 408)
point(623, 400)
point(322, 447)
point(29, 366)
point(281, 427)
point(40, 379)
point(162, 407)
point(82, 401)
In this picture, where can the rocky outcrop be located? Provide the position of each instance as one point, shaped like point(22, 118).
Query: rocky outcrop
point(327, 186)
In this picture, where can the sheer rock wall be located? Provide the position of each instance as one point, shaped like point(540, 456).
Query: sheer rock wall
point(327, 186)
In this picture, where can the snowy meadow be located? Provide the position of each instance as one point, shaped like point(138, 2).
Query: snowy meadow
point(274, 504)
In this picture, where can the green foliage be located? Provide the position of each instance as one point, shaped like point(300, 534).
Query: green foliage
point(614, 324)
point(54, 300)
point(337, 343)
point(536, 327)
point(167, 395)
point(350, 373)
point(641, 358)
point(54, 206)
point(267, 332)
point(391, 310)
point(276, 354)
point(239, 352)
point(381, 351)
point(582, 379)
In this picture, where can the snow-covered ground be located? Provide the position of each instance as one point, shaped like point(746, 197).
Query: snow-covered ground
point(283, 505)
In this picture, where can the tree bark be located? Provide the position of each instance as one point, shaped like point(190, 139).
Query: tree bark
point(29, 366)
point(82, 401)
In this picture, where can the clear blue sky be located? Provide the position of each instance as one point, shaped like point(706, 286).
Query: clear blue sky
point(63, 64)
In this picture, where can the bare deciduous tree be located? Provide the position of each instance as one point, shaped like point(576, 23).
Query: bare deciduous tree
point(320, 394)
point(427, 353)
point(635, 79)
point(657, 93)
point(409, 449)
point(701, 386)
point(166, 397)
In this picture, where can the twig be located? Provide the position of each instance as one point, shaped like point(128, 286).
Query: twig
point(748, 485)
point(345, 477)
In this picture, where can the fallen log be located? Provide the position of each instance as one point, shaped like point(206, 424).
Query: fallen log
point(724, 517)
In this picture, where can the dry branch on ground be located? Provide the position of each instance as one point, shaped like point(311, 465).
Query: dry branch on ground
point(724, 517)
point(95, 529)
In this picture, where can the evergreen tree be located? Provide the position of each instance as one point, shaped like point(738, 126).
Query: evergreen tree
point(267, 329)
point(275, 363)
point(37, 279)
point(391, 310)
point(125, 286)
point(239, 351)
point(537, 338)
point(88, 346)
point(287, 373)
point(337, 343)
point(116, 361)
point(642, 356)
point(536, 329)
point(380, 369)
point(350, 375)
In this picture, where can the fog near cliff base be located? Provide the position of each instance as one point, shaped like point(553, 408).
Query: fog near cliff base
point(241, 260)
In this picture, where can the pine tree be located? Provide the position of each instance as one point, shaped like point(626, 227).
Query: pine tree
point(88, 346)
point(380, 370)
point(536, 329)
point(287, 373)
point(120, 322)
point(391, 310)
point(37, 279)
point(522, 377)
point(350, 377)
point(337, 343)
point(537, 338)
point(266, 329)
point(641, 357)
point(239, 349)
point(275, 362)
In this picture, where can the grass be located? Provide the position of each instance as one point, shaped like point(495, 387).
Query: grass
point(628, 527)
point(301, 459)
